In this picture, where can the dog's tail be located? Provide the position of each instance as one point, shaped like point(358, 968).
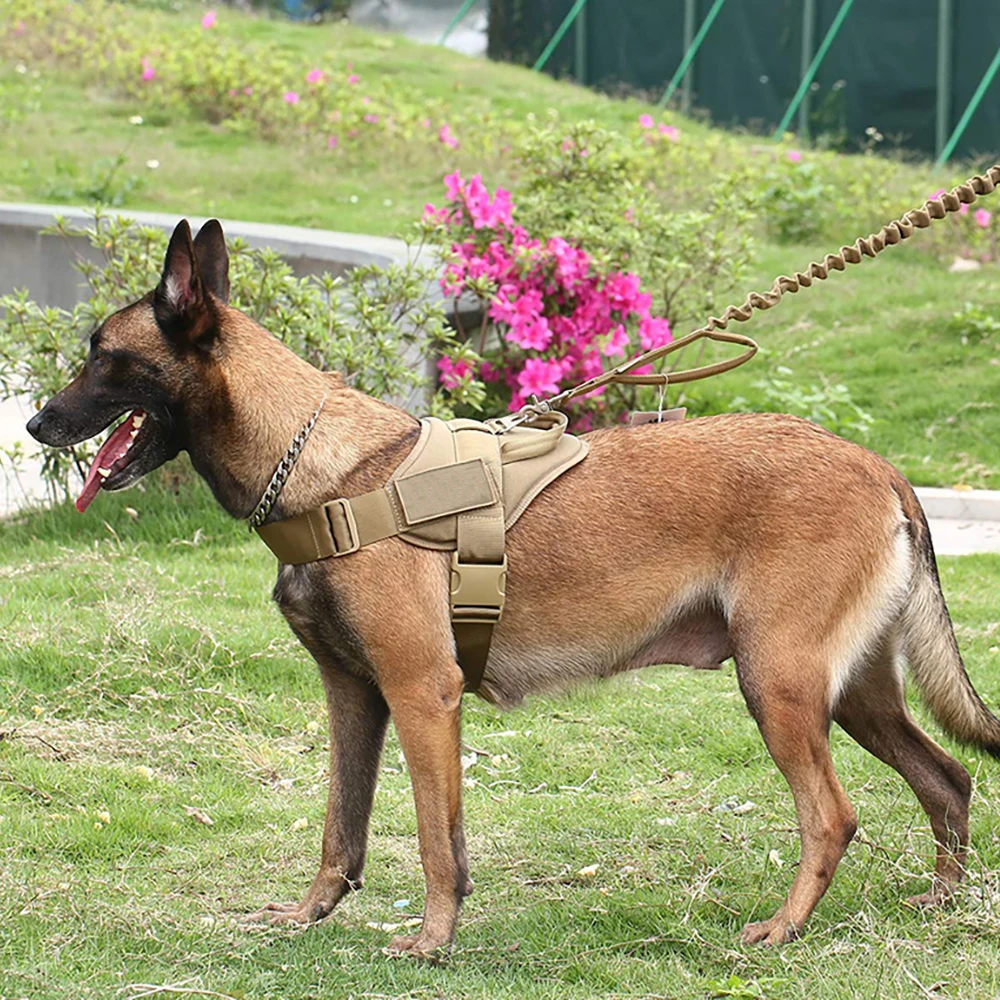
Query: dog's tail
point(930, 647)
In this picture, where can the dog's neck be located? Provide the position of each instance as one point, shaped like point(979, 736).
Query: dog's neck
point(268, 395)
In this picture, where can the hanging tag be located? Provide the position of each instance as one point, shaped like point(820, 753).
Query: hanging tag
point(639, 417)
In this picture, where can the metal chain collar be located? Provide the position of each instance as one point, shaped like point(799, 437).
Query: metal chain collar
point(283, 470)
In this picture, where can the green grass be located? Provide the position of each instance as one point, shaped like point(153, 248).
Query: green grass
point(143, 675)
point(144, 672)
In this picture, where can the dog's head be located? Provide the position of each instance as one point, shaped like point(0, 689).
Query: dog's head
point(152, 360)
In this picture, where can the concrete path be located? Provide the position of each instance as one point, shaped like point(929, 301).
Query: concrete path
point(962, 521)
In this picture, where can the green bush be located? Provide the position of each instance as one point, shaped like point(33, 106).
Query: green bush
point(368, 325)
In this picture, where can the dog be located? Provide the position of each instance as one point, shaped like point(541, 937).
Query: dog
point(761, 537)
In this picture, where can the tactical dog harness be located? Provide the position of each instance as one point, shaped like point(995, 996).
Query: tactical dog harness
point(459, 490)
point(465, 483)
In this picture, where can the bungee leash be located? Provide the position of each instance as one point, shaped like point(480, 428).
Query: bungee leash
point(889, 235)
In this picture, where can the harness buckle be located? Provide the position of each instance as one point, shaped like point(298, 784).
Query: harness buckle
point(478, 590)
point(343, 527)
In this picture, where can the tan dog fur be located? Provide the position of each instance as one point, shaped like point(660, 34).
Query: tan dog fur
point(759, 537)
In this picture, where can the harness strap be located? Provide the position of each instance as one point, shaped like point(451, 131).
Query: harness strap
point(343, 526)
point(479, 565)
point(469, 488)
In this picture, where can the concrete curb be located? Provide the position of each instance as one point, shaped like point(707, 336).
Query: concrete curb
point(959, 505)
point(44, 264)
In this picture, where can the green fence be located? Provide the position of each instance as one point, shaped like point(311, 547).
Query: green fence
point(907, 68)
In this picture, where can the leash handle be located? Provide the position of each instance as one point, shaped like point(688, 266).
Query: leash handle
point(621, 374)
point(871, 246)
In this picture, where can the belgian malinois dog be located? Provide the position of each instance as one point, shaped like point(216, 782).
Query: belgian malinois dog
point(760, 537)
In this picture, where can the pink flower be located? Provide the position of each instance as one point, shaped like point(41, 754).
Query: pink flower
point(366, 100)
point(533, 336)
point(672, 133)
point(19, 28)
point(452, 372)
point(148, 73)
point(425, 123)
point(937, 194)
point(445, 136)
point(539, 377)
point(616, 343)
point(333, 142)
point(646, 121)
point(453, 186)
point(963, 209)
point(654, 332)
point(315, 76)
point(208, 21)
point(291, 97)
point(248, 91)
point(353, 79)
point(794, 155)
point(233, 93)
point(371, 119)
point(982, 218)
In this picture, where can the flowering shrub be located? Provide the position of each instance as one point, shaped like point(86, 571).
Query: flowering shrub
point(201, 69)
point(560, 315)
point(559, 286)
point(369, 325)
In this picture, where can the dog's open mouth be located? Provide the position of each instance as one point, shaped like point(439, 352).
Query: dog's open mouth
point(108, 470)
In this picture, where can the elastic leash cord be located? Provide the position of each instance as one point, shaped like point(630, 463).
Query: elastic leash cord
point(889, 235)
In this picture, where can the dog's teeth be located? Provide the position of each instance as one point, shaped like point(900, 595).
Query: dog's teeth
point(103, 473)
point(137, 420)
point(132, 434)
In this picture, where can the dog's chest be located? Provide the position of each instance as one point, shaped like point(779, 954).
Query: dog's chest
point(318, 615)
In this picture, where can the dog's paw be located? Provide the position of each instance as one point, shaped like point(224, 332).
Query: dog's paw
point(938, 895)
point(423, 946)
point(769, 933)
point(304, 913)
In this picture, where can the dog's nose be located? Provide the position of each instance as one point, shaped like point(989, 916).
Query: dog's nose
point(34, 425)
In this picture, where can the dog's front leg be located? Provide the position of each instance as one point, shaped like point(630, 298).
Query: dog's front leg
point(425, 709)
point(357, 716)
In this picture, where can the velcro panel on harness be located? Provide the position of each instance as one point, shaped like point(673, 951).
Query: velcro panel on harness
point(449, 489)
point(342, 526)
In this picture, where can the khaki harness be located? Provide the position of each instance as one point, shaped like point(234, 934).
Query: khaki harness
point(463, 485)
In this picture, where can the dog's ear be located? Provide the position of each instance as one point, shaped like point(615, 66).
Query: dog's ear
point(180, 304)
point(179, 290)
point(213, 259)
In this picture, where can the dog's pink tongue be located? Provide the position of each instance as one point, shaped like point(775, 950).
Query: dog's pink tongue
point(114, 448)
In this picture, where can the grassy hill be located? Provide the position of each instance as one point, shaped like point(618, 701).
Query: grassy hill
point(145, 678)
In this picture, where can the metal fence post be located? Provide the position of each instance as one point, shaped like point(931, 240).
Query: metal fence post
point(455, 21)
point(580, 48)
point(558, 36)
point(691, 52)
point(813, 68)
point(808, 41)
point(690, 13)
point(943, 114)
point(970, 110)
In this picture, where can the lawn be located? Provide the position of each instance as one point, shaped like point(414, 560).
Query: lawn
point(147, 684)
point(162, 736)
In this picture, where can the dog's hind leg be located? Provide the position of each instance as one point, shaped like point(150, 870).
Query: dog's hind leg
point(788, 696)
point(357, 716)
point(873, 710)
